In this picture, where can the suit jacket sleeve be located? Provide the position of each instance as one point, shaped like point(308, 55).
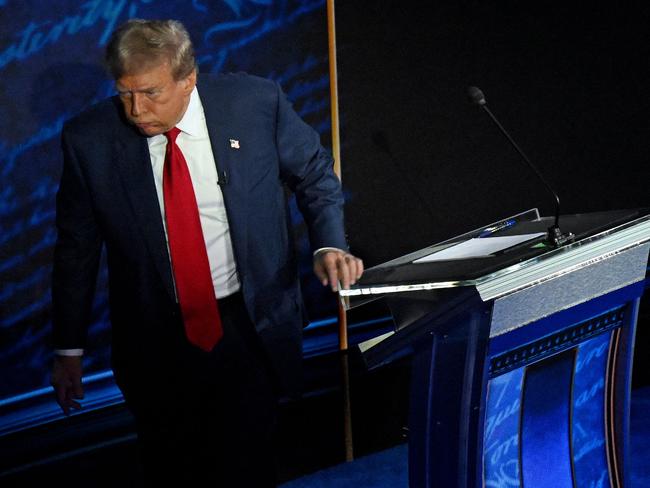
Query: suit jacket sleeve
point(76, 254)
point(308, 170)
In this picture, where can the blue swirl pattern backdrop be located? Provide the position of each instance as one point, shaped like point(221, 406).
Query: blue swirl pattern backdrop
point(50, 69)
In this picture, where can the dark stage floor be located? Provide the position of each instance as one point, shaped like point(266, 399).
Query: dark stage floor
point(310, 453)
point(100, 450)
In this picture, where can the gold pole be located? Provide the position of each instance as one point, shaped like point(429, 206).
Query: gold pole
point(334, 93)
point(336, 152)
point(345, 372)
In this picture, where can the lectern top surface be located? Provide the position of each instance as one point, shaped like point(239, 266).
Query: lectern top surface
point(586, 227)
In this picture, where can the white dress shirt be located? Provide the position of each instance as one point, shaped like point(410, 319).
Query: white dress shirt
point(194, 143)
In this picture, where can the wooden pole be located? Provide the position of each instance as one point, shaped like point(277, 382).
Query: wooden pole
point(345, 373)
point(334, 92)
point(336, 152)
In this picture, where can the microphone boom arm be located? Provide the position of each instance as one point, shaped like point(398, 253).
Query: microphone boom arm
point(554, 235)
point(531, 165)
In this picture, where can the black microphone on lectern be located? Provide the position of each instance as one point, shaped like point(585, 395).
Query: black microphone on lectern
point(554, 234)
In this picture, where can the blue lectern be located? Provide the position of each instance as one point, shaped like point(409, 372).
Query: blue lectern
point(521, 352)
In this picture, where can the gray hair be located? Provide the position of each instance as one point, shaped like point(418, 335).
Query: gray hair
point(138, 45)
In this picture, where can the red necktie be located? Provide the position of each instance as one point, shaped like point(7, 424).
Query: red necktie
point(194, 288)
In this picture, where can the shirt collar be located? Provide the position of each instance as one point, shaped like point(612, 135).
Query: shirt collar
point(193, 120)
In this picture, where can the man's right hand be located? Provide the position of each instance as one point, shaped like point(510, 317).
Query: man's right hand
point(66, 380)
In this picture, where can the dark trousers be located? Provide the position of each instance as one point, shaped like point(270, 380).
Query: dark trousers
point(216, 421)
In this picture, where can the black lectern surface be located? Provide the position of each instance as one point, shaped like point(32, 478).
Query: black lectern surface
point(404, 270)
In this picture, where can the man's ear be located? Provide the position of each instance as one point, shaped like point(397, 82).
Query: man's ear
point(189, 82)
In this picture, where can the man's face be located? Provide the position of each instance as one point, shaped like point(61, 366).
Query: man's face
point(153, 100)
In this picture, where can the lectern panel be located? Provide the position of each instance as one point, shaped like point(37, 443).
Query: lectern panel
point(588, 422)
point(546, 423)
point(501, 439)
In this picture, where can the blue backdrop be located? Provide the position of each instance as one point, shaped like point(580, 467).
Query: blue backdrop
point(50, 69)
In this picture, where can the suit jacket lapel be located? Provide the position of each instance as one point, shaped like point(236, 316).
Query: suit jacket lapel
point(220, 117)
point(134, 165)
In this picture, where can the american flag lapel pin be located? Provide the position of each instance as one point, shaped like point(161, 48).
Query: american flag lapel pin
point(234, 144)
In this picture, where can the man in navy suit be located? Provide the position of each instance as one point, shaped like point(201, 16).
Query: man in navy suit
point(203, 411)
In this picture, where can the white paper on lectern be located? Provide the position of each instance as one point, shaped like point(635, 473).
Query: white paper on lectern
point(478, 247)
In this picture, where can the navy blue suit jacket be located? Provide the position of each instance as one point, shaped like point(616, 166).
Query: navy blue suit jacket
point(107, 197)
